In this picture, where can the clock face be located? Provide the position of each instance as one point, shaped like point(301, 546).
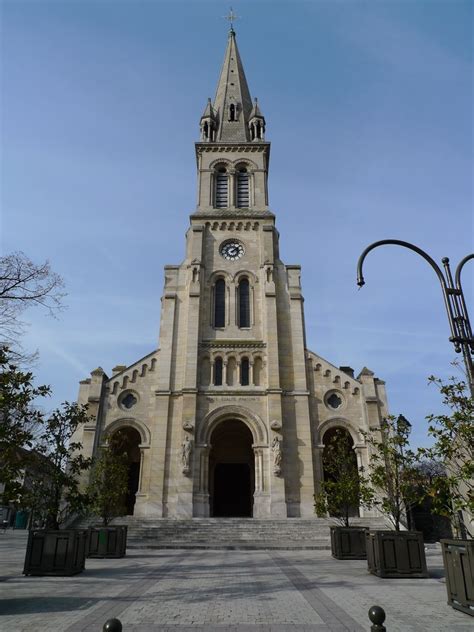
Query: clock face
point(232, 250)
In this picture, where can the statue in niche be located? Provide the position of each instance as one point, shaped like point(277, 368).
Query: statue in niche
point(277, 455)
point(186, 450)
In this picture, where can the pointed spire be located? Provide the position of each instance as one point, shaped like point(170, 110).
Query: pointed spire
point(255, 113)
point(256, 123)
point(232, 103)
point(208, 111)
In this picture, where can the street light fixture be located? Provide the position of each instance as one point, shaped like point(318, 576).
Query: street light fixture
point(458, 317)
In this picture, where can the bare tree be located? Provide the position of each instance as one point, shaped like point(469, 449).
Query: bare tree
point(24, 284)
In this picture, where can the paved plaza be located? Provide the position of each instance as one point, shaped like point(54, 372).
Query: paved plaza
point(177, 590)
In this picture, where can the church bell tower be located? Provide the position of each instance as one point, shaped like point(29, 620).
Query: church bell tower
point(232, 341)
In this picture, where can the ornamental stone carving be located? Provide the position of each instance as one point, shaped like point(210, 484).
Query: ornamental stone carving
point(277, 455)
point(186, 450)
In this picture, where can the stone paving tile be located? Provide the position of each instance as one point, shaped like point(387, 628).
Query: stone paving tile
point(220, 591)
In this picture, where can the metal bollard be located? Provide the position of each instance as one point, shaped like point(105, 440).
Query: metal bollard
point(112, 625)
point(377, 617)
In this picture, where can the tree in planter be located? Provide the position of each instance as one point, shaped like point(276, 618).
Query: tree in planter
point(345, 486)
point(20, 424)
point(109, 481)
point(57, 494)
point(393, 469)
point(453, 494)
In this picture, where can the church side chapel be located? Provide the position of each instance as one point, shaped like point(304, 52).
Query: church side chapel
point(231, 414)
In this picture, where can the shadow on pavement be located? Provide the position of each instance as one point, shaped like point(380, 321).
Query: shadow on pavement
point(32, 605)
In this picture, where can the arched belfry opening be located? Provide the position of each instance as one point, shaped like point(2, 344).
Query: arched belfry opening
point(128, 440)
point(231, 470)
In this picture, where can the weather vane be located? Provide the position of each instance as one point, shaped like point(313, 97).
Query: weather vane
point(231, 17)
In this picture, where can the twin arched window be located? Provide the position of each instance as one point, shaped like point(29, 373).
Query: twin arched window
point(219, 303)
point(243, 303)
point(231, 373)
point(243, 300)
point(222, 188)
point(242, 188)
point(218, 372)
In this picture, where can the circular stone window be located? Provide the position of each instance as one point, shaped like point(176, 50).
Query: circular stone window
point(127, 400)
point(334, 400)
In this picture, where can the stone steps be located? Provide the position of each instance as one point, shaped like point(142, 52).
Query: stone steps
point(232, 533)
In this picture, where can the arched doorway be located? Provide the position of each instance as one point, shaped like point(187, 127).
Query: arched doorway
point(339, 458)
point(231, 470)
point(127, 440)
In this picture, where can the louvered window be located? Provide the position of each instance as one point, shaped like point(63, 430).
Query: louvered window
point(244, 303)
point(222, 189)
point(243, 189)
point(244, 372)
point(218, 372)
point(219, 303)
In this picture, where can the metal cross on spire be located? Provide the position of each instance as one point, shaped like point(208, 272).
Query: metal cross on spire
point(231, 17)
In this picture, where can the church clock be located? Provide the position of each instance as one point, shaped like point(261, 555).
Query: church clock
point(232, 250)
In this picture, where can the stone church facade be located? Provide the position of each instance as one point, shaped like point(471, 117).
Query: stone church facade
point(230, 415)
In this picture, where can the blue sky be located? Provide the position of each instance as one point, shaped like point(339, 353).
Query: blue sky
point(369, 110)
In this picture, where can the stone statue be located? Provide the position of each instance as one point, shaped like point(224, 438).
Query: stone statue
point(277, 455)
point(186, 449)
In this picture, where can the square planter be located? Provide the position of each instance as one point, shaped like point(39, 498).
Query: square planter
point(348, 543)
point(106, 541)
point(396, 553)
point(458, 559)
point(60, 552)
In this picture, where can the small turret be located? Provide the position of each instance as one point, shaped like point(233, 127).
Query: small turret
point(256, 123)
point(208, 123)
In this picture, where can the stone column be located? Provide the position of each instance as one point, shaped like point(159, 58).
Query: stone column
point(213, 374)
point(143, 481)
point(224, 373)
point(261, 497)
point(201, 497)
point(318, 461)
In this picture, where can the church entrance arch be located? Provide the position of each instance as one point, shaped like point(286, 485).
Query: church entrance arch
point(341, 437)
point(128, 439)
point(231, 470)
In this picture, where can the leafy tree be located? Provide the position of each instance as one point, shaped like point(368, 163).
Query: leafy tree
point(453, 494)
point(345, 486)
point(109, 481)
point(24, 284)
point(20, 423)
point(393, 469)
point(57, 493)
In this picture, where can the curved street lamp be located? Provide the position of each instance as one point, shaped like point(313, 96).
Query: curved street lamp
point(458, 317)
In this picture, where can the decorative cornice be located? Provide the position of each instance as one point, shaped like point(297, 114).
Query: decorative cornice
point(231, 214)
point(232, 344)
point(253, 147)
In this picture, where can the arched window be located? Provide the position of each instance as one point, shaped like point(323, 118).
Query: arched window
point(219, 303)
point(244, 372)
point(243, 293)
point(243, 189)
point(218, 372)
point(222, 188)
point(232, 112)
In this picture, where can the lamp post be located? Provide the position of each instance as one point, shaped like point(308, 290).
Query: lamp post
point(461, 332)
